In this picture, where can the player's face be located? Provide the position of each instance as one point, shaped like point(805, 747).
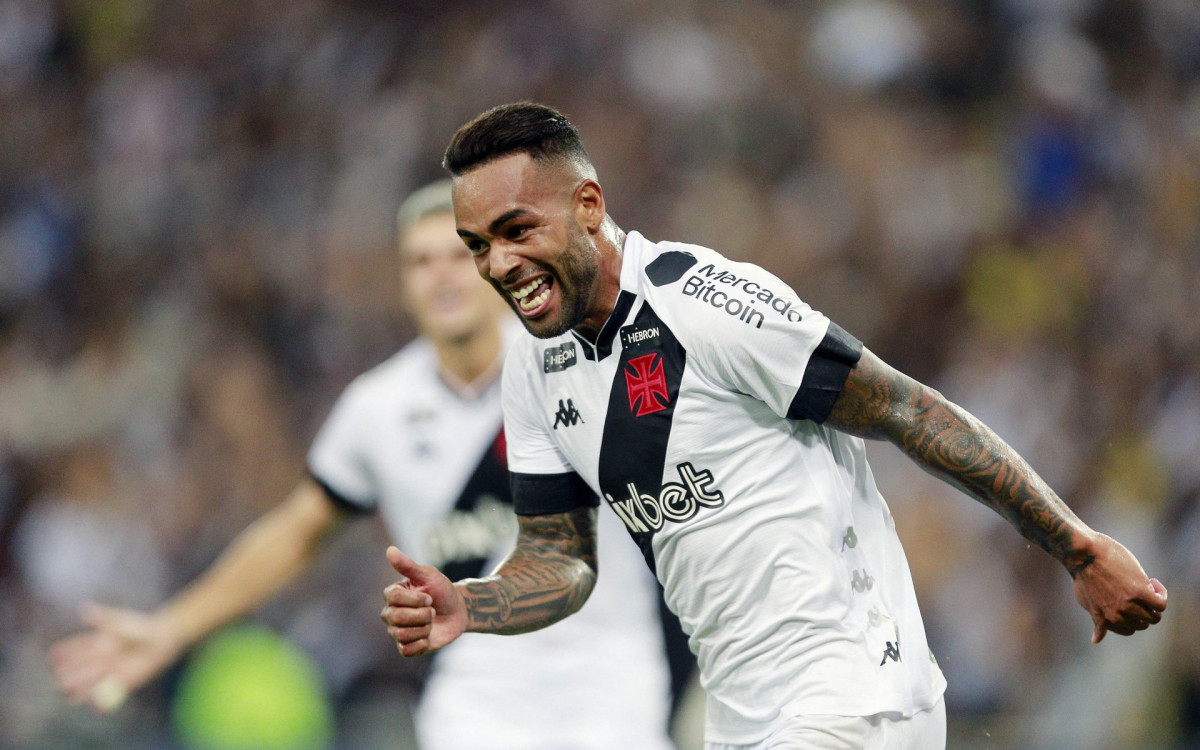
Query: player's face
point(521, 222)
point(441, 290)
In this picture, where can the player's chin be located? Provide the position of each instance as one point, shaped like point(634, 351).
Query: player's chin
point(547, 324)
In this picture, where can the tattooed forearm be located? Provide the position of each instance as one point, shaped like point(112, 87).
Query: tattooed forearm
point(548, 575)
point(880, 403)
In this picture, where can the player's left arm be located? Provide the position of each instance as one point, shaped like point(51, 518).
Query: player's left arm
point(878, 402)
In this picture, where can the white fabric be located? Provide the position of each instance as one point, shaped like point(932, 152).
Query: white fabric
point(925, 730)
point(400, 441)
point(793, 588)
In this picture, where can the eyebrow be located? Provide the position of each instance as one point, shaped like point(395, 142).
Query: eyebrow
point(498, 222)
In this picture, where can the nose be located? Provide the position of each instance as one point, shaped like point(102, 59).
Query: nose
point(502, 262)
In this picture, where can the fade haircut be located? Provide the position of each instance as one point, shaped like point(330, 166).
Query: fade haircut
point(521, 127)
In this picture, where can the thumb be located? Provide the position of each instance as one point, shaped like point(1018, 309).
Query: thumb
point(406, 566)
point(1099, 632)
point(1158, 588)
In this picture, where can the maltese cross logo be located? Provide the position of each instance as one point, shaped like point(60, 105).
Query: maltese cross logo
point(647, 385)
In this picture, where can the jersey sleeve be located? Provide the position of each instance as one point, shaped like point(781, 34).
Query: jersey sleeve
point(541, 479)
point(337, 459)
point(749, 332)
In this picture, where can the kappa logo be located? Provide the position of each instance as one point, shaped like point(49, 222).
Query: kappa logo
point(851, 539)
point(559, 358)
point(567, 414)
point(862, 581)
point(646, 383)
point(892, 651)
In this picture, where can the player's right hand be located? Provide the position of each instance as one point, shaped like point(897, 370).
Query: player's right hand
point(424, 611)
point(123, 650)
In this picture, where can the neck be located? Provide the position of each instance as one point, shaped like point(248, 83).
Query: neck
point(471, 364)
point(610, 243)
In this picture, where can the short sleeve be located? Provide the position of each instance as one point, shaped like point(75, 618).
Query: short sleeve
point(337, 459)
point(541, 479)
point(825, 374)
point(749, 332)
point(530, 447)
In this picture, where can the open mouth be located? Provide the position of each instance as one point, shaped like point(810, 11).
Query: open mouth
point(533, 296)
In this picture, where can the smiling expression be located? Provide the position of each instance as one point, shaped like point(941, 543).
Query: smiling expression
point(529, 229)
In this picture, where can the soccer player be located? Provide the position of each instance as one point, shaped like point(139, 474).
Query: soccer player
point(722, 420)
point(419, 439)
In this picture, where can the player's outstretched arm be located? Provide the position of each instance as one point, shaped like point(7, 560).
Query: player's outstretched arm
point(878, 402)
point(549, 575)
point(122, 650)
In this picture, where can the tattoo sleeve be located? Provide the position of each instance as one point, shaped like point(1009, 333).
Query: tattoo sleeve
point(549, 574)
point(878, 402)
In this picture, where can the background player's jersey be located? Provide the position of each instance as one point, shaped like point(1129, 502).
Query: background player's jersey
point(401, 442)
point(691, 417)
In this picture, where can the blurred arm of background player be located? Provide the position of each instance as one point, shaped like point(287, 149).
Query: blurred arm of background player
point(125, 649)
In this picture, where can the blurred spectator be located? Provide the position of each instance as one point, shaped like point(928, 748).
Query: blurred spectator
point(1002, 198)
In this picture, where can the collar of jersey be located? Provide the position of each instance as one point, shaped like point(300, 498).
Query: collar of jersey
point(603, 346)
point(631, 253)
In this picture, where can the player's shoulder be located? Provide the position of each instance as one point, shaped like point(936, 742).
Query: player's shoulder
point(530, 358)
point(403, 372)
point(695, 288)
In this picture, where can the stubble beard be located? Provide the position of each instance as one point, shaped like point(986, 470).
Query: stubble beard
point(574, 282)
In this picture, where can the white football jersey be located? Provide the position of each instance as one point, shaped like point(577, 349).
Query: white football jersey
point(402, 442)
point(695, 416)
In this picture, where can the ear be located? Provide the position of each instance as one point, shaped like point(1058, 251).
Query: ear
point(589, 205)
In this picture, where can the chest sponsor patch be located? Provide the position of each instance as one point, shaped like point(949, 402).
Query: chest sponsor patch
point(559, 358)
point(644, 513)
point(645, 336)
point(740, 297)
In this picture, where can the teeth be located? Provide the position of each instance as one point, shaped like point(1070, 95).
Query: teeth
point(524, 291)
point(533, 303)
point(524, 301)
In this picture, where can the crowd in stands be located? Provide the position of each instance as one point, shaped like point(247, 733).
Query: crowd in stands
point(999, 197)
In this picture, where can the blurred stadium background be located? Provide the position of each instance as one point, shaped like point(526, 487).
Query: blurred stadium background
point(1002, 197)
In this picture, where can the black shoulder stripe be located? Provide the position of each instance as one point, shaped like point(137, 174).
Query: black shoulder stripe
point(825, 375)
point(669, 267)
point(340, 500)
point(543, 494)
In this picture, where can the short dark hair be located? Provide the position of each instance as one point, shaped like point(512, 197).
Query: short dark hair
point(520, 127)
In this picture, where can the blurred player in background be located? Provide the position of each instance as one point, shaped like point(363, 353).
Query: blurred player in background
point(419, 439)
point(721, 418)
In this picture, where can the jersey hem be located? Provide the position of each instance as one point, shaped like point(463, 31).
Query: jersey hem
point(751, 736)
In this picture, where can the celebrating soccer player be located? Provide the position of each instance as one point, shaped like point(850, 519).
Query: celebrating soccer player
point(722, 420)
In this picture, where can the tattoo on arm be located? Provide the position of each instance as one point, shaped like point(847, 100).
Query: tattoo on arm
point(549, 575)
point(881, 403)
